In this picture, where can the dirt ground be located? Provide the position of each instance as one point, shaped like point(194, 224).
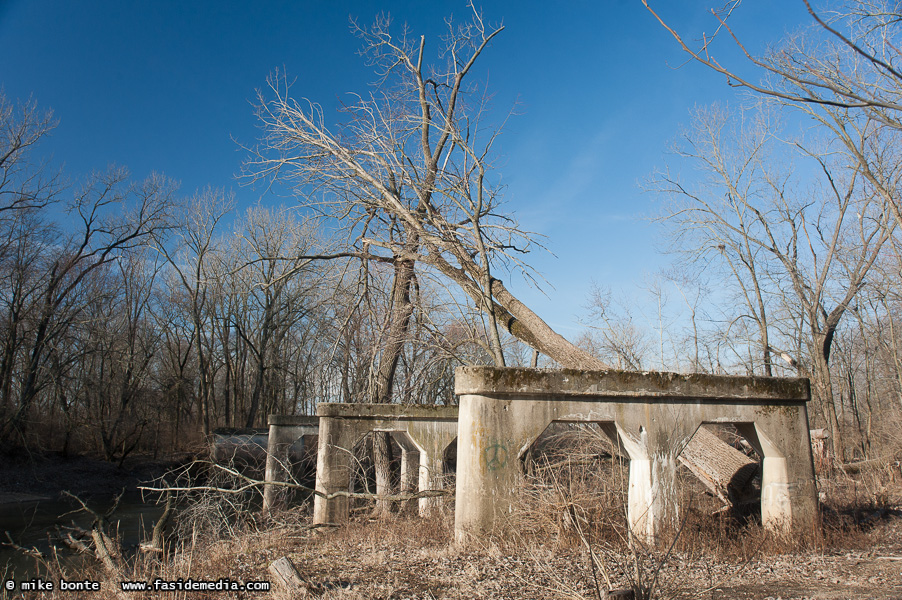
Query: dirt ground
point(415, 559)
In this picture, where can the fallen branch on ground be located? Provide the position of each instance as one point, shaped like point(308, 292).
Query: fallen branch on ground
point(251, 484)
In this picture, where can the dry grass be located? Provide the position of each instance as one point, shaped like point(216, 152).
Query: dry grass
point(567, 540)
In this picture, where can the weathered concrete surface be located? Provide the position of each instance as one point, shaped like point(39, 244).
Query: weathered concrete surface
point(652, 416)
point(423, 432)
point(290, 436)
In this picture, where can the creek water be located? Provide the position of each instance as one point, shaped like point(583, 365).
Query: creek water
point(34, 524)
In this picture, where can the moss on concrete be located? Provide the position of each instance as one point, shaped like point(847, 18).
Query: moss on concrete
point(519, 381)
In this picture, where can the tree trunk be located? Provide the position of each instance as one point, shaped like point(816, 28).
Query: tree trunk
point(823, 386)
point(382, 459)
point(727, 472)
point(400, 314)
point(520, 321)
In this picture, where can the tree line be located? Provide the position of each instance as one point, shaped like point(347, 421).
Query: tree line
point(137, 318)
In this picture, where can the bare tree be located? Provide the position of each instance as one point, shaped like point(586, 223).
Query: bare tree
point(190, 261)
point(692, 290)
point(851, 68)
point(616, 338)
point(120, 345)
point(24, 182)
point(811, 242)
point(722, 229)
point(278, 292)
point(841, 72)
point(109, 216)
point(21, 266)
point(407, 176)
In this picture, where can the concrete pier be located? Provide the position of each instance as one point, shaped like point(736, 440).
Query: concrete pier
point(652, 415)
point(290, 436)
point(423, 432)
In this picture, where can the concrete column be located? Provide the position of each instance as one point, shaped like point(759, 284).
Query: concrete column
point(333, 468)
point(417, 429)
point(277, 466)
point(652, 495)
point(789, 504)
point(432, 470)
point(653, 436)
point(410, 472)
point(490, 438)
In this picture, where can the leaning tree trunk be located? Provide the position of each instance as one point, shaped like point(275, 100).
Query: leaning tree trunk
point(719, 466)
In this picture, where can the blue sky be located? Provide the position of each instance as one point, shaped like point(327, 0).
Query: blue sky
point(166, 86)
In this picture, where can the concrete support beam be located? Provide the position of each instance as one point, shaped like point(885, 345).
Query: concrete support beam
point(410, 467)
point(424, 433)
point(788, 488)
point(652, 415)
point(652, 496)
point(431, 475)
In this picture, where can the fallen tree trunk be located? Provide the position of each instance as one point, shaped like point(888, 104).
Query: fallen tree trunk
point(106, 549)
point(727, 472)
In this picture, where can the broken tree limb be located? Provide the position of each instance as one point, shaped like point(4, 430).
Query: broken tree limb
point(32, 552)
point(159, 528)
point(256, 484)
point(106, 549)
point(76, 543)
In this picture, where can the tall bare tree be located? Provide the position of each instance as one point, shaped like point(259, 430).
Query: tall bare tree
point(25, 183)
point(407, 175)
point(192, 265)
point(808, 242)
point(279, 293)
point(121, 344)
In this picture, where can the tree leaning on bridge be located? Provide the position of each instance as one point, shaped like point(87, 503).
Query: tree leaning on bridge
point(407, 177)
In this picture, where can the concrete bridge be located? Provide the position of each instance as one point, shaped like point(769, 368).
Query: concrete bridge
point(423, 432)
point(652, 416)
